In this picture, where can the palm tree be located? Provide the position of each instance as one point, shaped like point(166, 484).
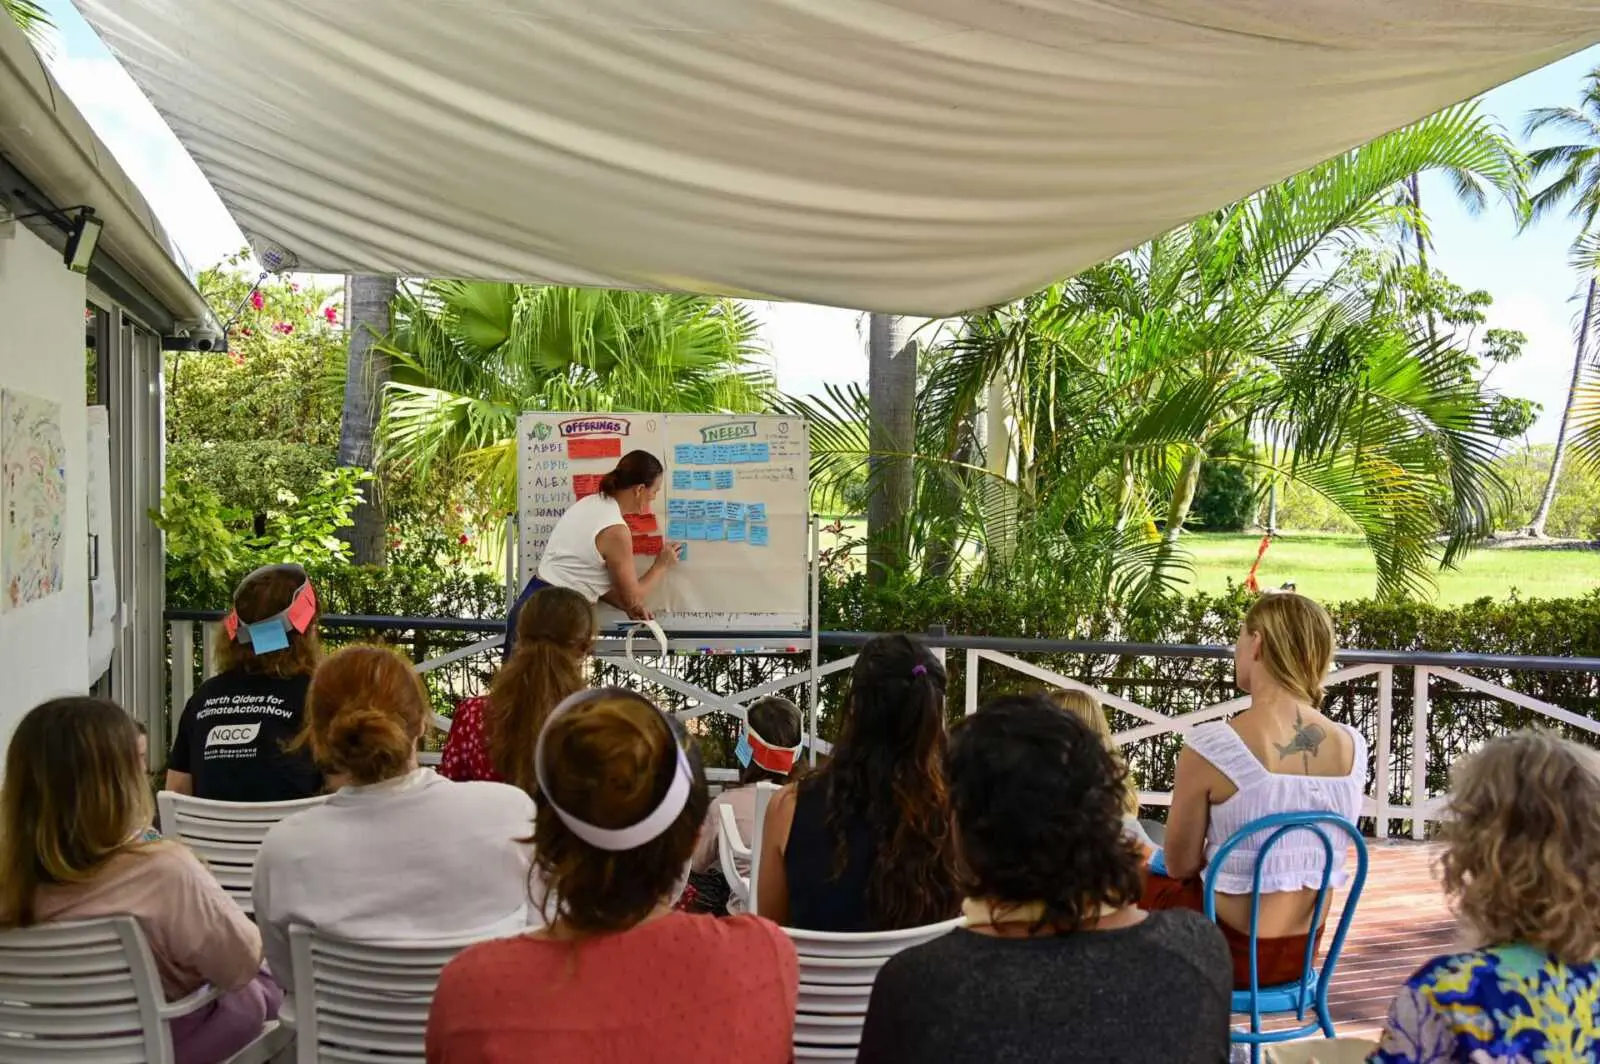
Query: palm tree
point(1574, 169)
point(32, 18)
point(1243, 322)
point(892, 391)
point(367, 303)
point(469, 357)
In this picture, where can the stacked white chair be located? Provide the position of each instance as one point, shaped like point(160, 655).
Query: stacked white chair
point(226, 835)
point(836, 976)
point(360, 1002)
point(730, 848)
point(87, 992)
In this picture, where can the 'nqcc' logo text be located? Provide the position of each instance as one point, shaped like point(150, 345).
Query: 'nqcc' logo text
point(233, 734)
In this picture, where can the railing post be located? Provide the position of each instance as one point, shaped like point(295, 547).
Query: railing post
point(973, 658)
point(208, 650)
point(1385, 749)
point(180, 685)
point(1419, 750)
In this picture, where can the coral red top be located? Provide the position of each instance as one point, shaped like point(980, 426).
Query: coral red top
point(678, 988)
point(466, 751)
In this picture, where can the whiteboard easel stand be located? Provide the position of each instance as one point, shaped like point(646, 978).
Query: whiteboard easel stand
point(513, 530)
point(816, 633)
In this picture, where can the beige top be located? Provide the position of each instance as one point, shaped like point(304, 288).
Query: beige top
point(196, 932)
point(743, 800)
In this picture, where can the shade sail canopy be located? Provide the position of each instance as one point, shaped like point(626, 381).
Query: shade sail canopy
point(917, 156)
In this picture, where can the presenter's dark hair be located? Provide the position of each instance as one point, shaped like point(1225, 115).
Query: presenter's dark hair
point(637, 468)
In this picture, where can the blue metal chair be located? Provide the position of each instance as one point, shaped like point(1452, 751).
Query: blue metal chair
point(1311, 990)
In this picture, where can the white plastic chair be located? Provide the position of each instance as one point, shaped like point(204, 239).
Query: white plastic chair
point(730, 848)
point(764, 793)
point(226, 835)
point(87, 992)
point(836, 976)
point(364, 1001)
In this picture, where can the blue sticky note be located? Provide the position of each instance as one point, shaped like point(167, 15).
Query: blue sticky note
point(269, 636)
point(724, 479)
point(682, 479)
point(736, 511)
point(714, 531)
point(702, 481)
point(696, 510)
point(758, 535)
point(703, 455)
point(683, 454)
point(696, 530)
point(758, 511)
point(716, 510)
point(736, 532)
point(677, 507)
point(760, 452)
point(677, 529)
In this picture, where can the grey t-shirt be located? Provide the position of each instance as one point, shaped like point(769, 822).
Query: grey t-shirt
point(1157, 991)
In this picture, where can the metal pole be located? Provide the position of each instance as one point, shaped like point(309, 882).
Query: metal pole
point(973, 658)
point(512, 584)
point(1419, 750)
point(1385, 748)
point(816, 634)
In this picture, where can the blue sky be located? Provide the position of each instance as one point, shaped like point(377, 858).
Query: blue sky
point(1526, 273)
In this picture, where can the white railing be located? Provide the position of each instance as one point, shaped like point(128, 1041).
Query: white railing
point(1415, 804)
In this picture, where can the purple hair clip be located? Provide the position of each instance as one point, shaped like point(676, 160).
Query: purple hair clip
point(920, 670)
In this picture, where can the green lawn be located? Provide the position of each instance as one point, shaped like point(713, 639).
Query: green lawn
point(1335, 568)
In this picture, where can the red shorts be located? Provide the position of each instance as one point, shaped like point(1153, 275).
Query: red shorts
point(1278, 960)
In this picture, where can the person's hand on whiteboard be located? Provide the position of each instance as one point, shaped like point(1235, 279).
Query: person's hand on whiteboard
point(671, 554)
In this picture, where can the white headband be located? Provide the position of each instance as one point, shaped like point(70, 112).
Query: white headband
point(615, 840)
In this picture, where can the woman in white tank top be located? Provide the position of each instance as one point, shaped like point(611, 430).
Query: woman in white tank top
point(590, 549)
point(1280, 755)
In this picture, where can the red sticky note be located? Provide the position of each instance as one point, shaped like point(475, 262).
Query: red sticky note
point(647, 545)
point(640, 523)
point(586, 484)
point(594, 447)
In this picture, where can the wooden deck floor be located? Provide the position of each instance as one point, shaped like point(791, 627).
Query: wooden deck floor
point(1401, 921)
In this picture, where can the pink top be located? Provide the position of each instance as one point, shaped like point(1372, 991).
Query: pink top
point(678, 988)
point(466, 751)
point(196, 932)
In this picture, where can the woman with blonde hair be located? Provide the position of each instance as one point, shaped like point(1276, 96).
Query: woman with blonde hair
point(399, 852)
point(1279, 755)
point(493, 738)
point(74, 845)
point(233, 736)
point(1522, 866)
point(617, 975)
point(1086, 707)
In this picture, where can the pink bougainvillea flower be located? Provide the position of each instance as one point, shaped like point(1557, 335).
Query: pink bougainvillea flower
point(257, 300)
point(283, 327)
point(332, 314)
point(293, 287)
point(464, 539)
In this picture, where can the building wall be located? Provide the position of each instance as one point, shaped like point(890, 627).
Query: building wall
point(44, 644)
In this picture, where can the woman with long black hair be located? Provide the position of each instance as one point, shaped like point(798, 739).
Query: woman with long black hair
point(865, 843)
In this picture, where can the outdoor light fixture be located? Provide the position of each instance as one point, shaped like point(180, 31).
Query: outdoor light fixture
point(82, 227)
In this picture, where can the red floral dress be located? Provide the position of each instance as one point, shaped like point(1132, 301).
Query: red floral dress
point(466, 751)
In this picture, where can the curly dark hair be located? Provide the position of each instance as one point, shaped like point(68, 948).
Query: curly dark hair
point(887, 771)
point(1038, 806)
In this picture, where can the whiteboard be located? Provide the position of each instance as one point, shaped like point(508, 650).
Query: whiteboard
point(735, 491)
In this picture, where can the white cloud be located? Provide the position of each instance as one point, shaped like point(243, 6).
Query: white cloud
point(1543, 371)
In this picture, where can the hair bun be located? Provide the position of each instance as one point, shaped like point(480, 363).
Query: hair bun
point(368, 741)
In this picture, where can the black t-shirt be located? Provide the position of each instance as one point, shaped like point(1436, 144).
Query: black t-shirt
point(1161, 990)
point(231, 739)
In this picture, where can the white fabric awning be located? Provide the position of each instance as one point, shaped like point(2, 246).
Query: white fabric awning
point(918, 156)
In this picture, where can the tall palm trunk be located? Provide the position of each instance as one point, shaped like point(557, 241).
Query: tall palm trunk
point(891, 403)
point(1540, 516)
point(367, 301)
